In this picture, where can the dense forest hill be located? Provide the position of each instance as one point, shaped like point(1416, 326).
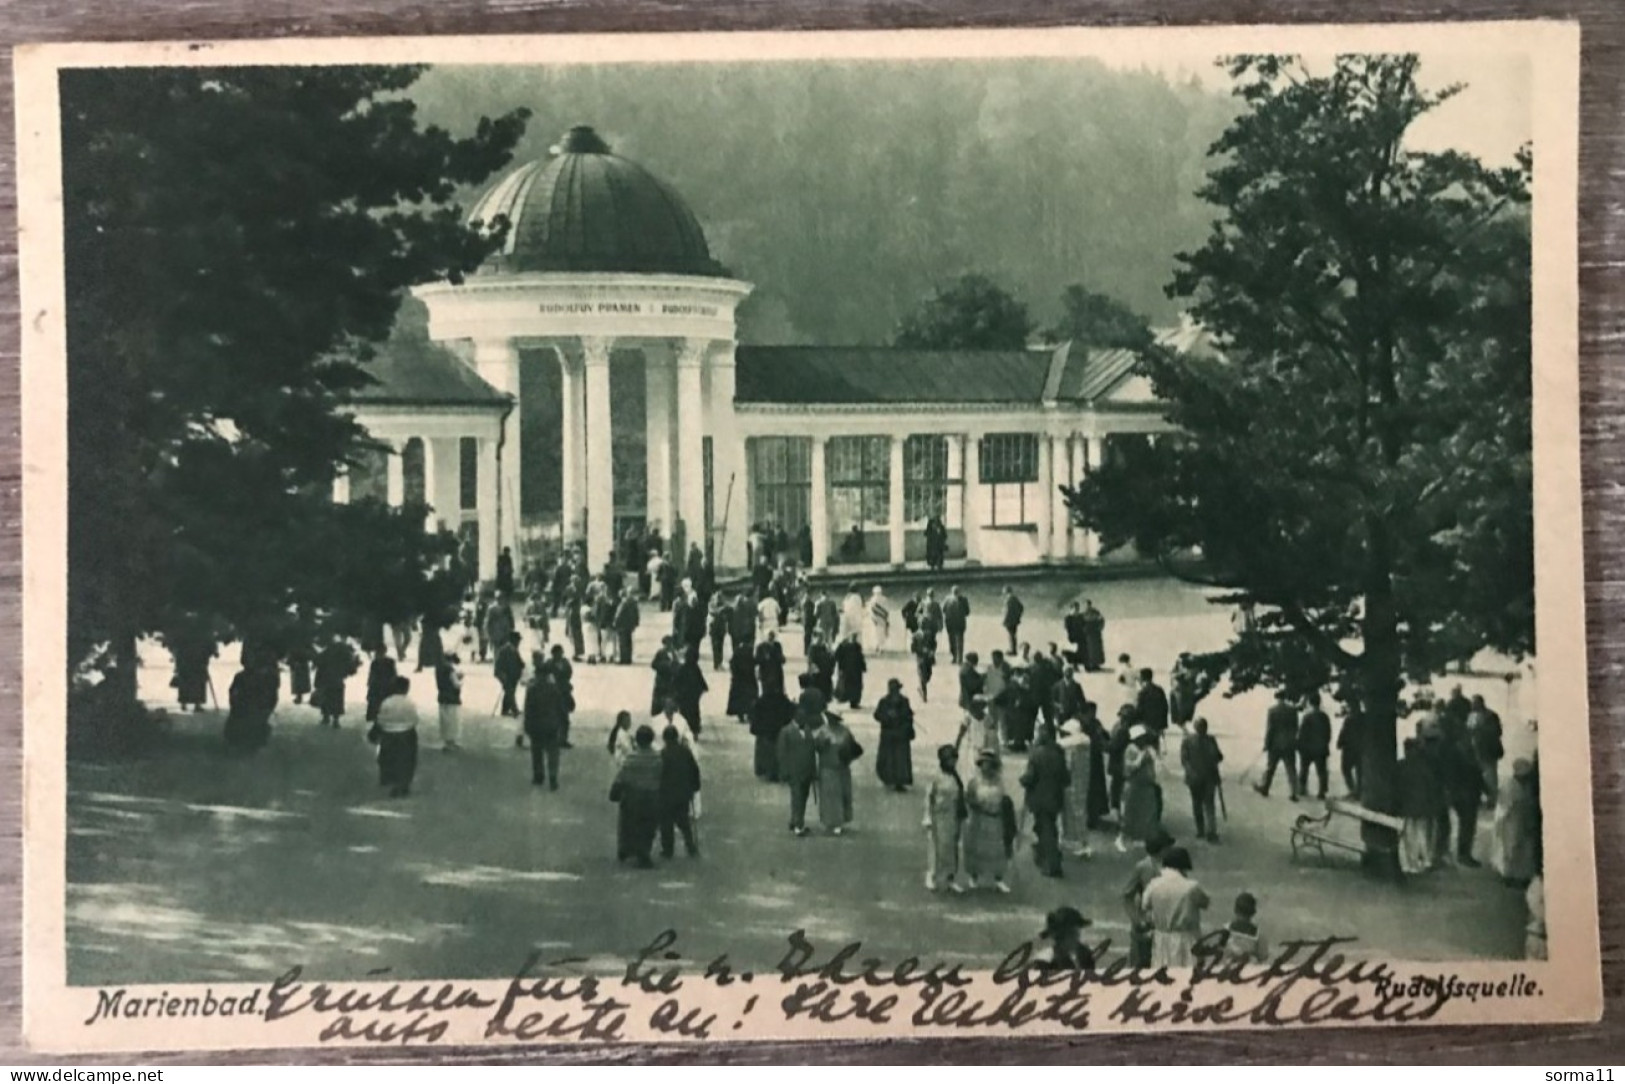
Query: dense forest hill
point(846, 191)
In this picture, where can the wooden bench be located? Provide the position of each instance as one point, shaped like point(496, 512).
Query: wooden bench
point(1310, 832)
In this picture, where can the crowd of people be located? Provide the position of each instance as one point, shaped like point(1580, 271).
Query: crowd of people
point(1086, 769)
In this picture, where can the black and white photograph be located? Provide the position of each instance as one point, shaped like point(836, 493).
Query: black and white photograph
point(738, 529)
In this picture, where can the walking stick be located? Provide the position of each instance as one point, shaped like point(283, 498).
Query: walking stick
point(1223, 812)
point(215, 700)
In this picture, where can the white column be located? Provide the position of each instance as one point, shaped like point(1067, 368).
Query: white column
point(595, 352)
point(691, 438)
point(729, 510)
point(819, 504)
point(659, 397)
point(497, 361)
point(341, 487)
point(1044, 500)
point(894, 504)
point(1094, 449)
point(1065, 475)
point(395, 477)
point(445, 480)
point(486, 507)
point(431, 522)
point(972, 515)
point(573, 444)
point(1061, 469)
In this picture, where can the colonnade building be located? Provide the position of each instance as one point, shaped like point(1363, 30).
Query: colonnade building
point(604, 300)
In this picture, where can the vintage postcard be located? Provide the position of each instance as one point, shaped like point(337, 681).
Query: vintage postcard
point(802, 536)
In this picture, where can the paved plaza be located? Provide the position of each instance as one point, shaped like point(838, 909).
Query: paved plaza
point(185, 864)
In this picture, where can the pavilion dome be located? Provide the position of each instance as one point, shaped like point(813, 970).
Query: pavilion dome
point(585, 208)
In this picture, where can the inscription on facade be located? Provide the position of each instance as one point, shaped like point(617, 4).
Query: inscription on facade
point(625, 308)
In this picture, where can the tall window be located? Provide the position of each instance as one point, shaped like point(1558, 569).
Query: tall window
point(708, 463)
point(780, 480)
point(930, 479)
point(468, 474)
point(1009, 466)
point(414, 473)
point(859, 481)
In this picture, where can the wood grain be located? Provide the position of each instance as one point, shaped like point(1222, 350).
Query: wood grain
point(1602, 339)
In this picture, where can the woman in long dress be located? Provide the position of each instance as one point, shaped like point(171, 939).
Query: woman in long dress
point(1076, 747)
point(945, 814)
point(1141, 797)
point(742, 691)
point(836, 749)
point(1517, 827)
point(1175, 902)
point(987, 843)
point(894, 763)
point(770, 714)
point(852, 613)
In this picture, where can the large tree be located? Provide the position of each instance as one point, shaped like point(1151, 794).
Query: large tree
point(1357, 461)
point(235, 239)
point(1096, 319)
point(972, 312)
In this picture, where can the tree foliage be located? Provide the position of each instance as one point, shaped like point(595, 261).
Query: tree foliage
point(1099, 320)
point(234, 240)
point(970, 313)
point(1358, 462)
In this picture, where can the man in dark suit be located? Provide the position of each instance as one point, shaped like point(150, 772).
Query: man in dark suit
point(798, 759)
point(1281, 744)
point(955, 612)
point(1045, 782)
point(1151, 705)
point(1314, 745)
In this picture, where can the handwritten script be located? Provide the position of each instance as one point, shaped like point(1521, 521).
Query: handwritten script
point(663, 994)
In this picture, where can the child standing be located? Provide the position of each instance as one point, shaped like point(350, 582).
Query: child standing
point(1244, 941)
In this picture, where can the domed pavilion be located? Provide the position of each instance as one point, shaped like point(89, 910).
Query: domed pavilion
point(868, 457)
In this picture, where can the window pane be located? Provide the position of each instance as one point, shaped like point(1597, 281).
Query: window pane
point(1009, 457)
point(468, 467)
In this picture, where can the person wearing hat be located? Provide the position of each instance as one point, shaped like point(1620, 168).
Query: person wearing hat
point(989, 834)
point(1077, 744)
point(1142, 795)
point(1146, 870)
point(894, 760)
point(945, 814)
point(798, 758)
point(1062, 929)
point(1243, 942)
point(1174, 902)
point(836, 749)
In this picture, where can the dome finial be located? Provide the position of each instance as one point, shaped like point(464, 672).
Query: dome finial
point(581, 139)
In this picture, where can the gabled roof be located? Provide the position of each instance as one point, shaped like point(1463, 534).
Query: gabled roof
point(408, 373)
point(1088, 375)
point(881, 374)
